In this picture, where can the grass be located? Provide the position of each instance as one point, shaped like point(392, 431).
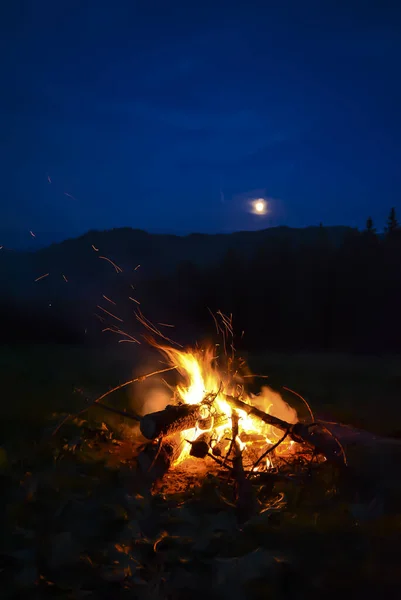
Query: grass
point(363, 391)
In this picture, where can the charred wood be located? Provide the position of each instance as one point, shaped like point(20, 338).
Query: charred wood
point(156, 458)
point(171, 420)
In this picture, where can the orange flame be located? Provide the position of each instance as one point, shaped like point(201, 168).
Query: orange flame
point(203, 379)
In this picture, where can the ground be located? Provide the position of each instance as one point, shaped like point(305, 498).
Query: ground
point(77, 523)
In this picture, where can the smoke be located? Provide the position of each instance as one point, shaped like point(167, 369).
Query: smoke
point(156, 399)
point(270, 401)
point(149, 397)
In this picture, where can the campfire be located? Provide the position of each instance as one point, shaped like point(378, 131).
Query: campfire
point(213, 417)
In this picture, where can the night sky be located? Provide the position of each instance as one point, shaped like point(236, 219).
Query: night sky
point(171, 116)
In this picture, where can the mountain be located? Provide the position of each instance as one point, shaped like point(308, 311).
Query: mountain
point(77, 273)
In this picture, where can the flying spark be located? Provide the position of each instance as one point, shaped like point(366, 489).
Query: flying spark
point(109, 313)
point(32, 234)
point(65, 278)
point(69, 196)
point(108, 300)
point(117, 268)
point(95, 249)
point(42, 277)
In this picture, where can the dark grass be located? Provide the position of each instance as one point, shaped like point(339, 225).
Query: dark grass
point(363, 391)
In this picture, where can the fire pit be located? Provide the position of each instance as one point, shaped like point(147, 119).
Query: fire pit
point(213, 419)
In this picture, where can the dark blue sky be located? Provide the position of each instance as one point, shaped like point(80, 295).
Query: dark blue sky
point(169, 116)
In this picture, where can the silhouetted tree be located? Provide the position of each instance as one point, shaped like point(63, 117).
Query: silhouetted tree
point(369, 226)
point(392, 223)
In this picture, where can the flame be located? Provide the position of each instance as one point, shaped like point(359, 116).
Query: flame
point(206, 384)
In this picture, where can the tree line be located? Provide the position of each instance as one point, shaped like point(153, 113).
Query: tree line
point(315, 297)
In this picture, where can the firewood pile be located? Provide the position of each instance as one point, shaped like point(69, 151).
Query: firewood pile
point(199, 432)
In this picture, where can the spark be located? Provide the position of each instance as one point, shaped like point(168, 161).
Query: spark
point(152, 328)
point(99, 317)
point(49, 179)
point(129, 338)
point(109, 313)
point(109, 300)
point(42, 277)
point(65, 278)
point(133, 299)
point(32, 234)
point(95, 249)
point(1, 247)
point(165, 325)
point(137, 267)
point(69, 196)
point(117, 268)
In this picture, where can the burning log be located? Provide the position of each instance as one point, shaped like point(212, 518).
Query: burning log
point(176, 418)
point(201, 446)
point(319, 437)
point(173, 419)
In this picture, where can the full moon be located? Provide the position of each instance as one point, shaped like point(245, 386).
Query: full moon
point(259, 206)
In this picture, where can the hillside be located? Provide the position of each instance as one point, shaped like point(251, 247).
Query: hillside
point(78, 271)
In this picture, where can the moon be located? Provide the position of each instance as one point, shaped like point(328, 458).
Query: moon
point(259, 206)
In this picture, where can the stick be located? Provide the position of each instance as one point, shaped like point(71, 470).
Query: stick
point(259, 414)
point(246, 501)
point(321, 439)
point(115, 389)
point(116, 411)
point(271, 449)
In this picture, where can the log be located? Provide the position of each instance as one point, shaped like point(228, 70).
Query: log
point(201, 446)
point(177, 418)
point(316, 436)
point(171, 420)
point(256, 412)
point(212, 422)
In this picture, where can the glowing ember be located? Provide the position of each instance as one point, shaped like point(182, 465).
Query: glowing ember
point(208, 386)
